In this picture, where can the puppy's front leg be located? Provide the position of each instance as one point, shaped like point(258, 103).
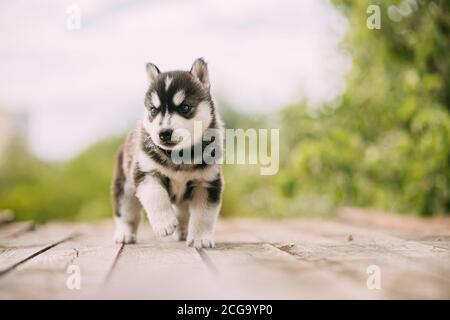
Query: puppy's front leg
point(204, 210)
point(156, 202)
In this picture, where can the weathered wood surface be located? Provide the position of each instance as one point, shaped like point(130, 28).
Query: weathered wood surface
point(272, 259)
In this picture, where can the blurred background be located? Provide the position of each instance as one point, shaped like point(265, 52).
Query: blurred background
point(364, 114)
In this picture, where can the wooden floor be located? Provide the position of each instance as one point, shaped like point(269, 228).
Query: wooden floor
point(254, 259)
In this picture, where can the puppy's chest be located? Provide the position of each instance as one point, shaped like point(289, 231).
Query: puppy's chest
point(180, 185)
point(178, 189)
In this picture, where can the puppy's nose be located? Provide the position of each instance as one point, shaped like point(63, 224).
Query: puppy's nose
point(165, 135)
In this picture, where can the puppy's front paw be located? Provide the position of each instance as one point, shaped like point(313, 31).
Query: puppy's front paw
point(165, 226)
point(120, 236)
point(205, 242)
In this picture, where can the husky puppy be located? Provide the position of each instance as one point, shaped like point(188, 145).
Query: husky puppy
point(182, 199)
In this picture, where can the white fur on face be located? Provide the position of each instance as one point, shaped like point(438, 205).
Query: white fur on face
point(152, 128)
point(194, 127)
point(178, 97)
point(187, 131)
point(167, 82)
point(155, 100)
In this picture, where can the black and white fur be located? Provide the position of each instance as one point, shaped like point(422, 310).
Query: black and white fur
point(182, 199)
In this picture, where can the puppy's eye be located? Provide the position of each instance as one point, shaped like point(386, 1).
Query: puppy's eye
point(184, 109)
point(153, 111)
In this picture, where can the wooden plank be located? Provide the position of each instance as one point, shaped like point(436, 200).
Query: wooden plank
point(16, 250)
point(269, 259)
point(41, 235)
point(16, 229)
point(436, 241)
point(240, 267)
point(429, 231)
point(385, 244)
point(31, 256)
point(159, 268)
point(46, 275)
point(325, 245)
point(254, 269)
point(250, 271)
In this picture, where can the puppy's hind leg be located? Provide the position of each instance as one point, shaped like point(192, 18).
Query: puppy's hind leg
point(128, 216)
point(127, 209)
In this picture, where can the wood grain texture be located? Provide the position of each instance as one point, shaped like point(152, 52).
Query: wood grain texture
point(267, 259)
point(11, 230)
point(409, 269)
point(45, 275)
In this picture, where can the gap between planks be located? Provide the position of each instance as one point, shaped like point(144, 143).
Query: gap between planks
point(113, 264)
point(37, 253)
point(207, 261)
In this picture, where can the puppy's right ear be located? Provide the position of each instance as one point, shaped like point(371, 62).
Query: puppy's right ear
point(200, 70)
point(152, 72)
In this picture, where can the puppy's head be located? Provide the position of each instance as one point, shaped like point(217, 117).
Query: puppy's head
point(178, 106)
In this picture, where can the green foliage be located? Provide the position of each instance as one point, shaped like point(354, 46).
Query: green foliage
point(77, 189)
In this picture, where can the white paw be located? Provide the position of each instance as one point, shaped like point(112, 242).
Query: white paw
point(165, 227)
point(179, 235)
point(124, 237)
point(201, 243)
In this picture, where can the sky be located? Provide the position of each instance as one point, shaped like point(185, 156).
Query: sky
point(80, 85)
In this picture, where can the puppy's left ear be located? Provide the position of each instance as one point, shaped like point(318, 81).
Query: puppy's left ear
point(200, 71)
point(152, 72)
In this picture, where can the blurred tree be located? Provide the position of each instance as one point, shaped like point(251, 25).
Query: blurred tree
point(79, 188)
point(386, 142)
